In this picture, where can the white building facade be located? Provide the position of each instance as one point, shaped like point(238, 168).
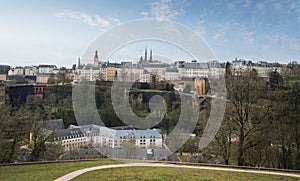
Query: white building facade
point(100, 136)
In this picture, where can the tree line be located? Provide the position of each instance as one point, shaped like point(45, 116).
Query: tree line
point(261, 125)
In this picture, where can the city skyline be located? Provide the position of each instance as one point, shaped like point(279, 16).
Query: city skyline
point(59, 32)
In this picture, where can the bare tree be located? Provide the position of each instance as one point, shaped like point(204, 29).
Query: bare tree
point(225, 138)
point(250, 109)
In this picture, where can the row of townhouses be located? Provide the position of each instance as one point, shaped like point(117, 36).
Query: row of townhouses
point(36, 74)
point(145, 70)
point(263, 68)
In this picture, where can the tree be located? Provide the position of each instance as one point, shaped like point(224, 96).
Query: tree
point(51, 80)
point(250, 109)
point(14, 128)
point(224, 138)
point(154, 80)
point(295, 126)
point(63, 77)
point(74, 67)
point(275, 80)
point(43, 148)
point(281, 126)
point(190, 146)
point(167, 87)
point(54, 150)
point(39, 138)
point(228, 72)
point(129, 149)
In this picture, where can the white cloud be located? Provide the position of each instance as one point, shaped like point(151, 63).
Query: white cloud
point(144, 13)
point(282, 41)
point(101, 21)
point(200, 28)
point(114, 20)
point(165, 9)
point(92, 21)
point(222, 35)
point(170, 28)
point(293, 43)
point(247, 36)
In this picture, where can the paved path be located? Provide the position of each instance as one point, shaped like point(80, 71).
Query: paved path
point(82, 171)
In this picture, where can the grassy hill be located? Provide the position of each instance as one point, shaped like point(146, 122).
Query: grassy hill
point(48, 171)
point(51, 171)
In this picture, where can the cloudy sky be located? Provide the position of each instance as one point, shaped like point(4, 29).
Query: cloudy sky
point(57, 32)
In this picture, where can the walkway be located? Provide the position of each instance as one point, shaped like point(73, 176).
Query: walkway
point(82, 171)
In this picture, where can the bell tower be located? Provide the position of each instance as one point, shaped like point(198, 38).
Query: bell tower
point(96, 59)
point(78, 63)
point(146, 55)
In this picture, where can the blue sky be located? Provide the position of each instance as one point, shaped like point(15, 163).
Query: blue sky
point(57, 32)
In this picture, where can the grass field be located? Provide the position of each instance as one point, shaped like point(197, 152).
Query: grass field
point(184, 174)
point(52, 171)
point(48, 171)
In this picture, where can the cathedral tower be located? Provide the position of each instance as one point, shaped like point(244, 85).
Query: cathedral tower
point(96, 59)
point(78, 64)
point(146, 54)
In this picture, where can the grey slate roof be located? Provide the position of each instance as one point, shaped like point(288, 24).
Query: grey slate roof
point(114, 132)
point(47, 66)
point(155, 65)
point(90, 66)
point(200, 78)
point(215, 64)
point(75, 132)
point(171, 69)
point(195, 65)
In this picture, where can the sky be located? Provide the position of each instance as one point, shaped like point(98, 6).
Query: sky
point(58, 32)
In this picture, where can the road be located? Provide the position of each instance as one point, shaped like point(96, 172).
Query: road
point(76, 173)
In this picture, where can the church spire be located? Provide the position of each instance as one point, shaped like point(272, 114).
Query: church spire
point(78, 64)
point(96, 59)
point(146, 54)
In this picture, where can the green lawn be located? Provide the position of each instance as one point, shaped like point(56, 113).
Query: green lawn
point(48, 171)
point(155, 174)
point(52, 171)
